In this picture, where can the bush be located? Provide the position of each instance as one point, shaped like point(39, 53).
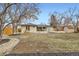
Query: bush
point(19, 30)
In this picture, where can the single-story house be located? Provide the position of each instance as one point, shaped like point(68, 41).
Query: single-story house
point(41, 28)
point(35, 28)
point(44, 28)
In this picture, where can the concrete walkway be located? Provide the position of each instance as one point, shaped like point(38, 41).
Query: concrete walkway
point(6, 48)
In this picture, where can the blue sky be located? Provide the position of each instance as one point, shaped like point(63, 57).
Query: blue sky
point(46, 8)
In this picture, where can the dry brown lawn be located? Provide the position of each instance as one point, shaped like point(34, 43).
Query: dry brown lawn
point(47, 43)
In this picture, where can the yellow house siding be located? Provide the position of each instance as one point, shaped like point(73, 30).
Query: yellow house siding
point(8, 31)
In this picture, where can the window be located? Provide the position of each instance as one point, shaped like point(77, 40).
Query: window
point(41, 28)
point(44, 27)
point(28, 28)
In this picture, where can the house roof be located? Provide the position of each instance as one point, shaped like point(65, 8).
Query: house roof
point(43, 25)
point(29, 24)
point(38, 25)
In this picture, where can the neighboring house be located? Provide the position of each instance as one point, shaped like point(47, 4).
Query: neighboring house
point(69, 28)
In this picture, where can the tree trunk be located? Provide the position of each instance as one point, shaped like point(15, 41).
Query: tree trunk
point(0, 29)
point(75, 28)
point(0, 33)
point(14, 28)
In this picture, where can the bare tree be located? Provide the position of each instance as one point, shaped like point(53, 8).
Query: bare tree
point(56, 19)
point(53, 21)
point(3, 9)
point(74, 15)
point(30, 11)
point(14, 13)
point(70, 16)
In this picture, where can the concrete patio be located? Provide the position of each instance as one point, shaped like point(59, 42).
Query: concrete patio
point(7, 47)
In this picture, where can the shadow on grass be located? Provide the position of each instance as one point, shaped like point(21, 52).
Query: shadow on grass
point(14, 34)
point(46, 54)
point(4, 41)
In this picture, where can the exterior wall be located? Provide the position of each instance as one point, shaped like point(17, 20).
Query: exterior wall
point(32, 29)
point(23, 29)
point(50, 29)
point(19, 29)
point(70, 30)
point(67, 30)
